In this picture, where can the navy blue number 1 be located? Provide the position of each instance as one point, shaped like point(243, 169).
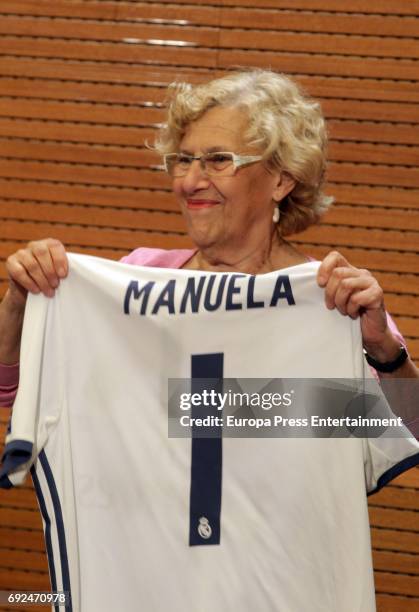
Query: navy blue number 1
point(206, 460)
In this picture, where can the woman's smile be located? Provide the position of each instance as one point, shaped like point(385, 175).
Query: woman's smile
point(198, 204)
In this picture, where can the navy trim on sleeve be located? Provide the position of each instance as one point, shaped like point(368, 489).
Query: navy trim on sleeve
point(5, 483)
point(15, 454)
point(395, 471)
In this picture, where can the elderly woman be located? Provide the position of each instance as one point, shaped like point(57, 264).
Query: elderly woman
point(246, 154)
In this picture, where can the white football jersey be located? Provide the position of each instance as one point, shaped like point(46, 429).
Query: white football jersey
point(137, 520)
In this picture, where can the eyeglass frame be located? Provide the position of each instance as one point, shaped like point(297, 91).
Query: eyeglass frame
point(238, 161)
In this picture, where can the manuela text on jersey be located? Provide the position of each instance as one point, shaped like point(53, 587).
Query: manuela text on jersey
point(209, 292)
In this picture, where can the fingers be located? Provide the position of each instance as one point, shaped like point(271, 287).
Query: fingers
point(52, 254)
point(350, 290)
point(356, 293)
point(333, 260)
point(371, 298)
point(39, 267)
point(343, 282)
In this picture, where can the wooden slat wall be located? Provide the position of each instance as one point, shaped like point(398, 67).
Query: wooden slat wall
point(82, 85)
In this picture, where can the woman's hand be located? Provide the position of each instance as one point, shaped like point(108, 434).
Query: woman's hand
point(37, 268)
point(356, 293)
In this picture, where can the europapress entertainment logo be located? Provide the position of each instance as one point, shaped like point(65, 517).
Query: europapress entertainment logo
point(319, 408)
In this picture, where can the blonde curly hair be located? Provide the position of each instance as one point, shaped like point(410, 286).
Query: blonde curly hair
point(286, 124)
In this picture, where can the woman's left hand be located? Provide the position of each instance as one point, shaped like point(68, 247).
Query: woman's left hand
point(355, 292)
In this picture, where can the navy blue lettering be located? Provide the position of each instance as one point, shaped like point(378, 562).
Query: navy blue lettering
point(220, 291)
point(231, 290)
point(282, 291)
point(250, 295)
point(192, 293)
point(135, 292)
point(166, 298)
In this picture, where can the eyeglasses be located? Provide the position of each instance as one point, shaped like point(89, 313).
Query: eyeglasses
point(220, 163)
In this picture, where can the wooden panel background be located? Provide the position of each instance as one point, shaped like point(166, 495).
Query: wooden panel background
point(82, 85)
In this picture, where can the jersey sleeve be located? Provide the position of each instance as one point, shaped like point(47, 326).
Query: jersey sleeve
point(35, 411)
point(390, 454)
point(385, 461)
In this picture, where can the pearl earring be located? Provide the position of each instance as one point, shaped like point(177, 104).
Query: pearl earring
point(276, 215)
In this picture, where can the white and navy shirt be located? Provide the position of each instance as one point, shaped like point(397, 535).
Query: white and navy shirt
point(135, 520)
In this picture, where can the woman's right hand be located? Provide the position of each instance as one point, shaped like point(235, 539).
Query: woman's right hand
point(38, 268)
